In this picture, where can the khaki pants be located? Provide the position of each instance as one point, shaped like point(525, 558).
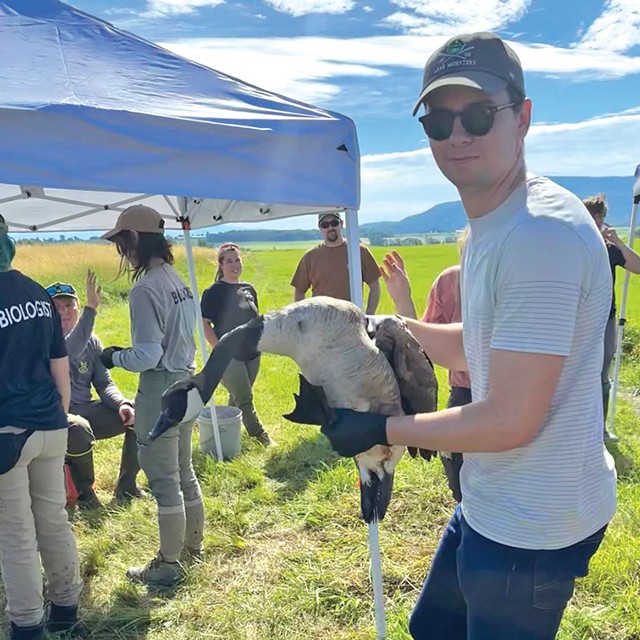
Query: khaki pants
point(167, 464)
point(33, 518)
point(238, 379)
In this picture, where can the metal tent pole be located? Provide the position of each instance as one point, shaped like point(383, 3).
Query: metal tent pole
point(623, 306)
point(355, 287)
point(186, 230)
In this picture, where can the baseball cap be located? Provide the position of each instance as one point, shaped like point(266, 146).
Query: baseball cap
point(479, 60)
point(137, 218)
point(62, 289)
point(330, 214)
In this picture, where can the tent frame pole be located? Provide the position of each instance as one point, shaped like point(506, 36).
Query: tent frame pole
point(204, 352)
point(357, 297)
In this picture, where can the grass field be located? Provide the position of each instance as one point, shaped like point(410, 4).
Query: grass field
point(286, 551)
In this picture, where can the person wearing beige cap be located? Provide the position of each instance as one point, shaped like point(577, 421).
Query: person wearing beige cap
point(163, 316)
point(324, 268)
point(538, 486)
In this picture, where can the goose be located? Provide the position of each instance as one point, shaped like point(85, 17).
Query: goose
point(346, 359)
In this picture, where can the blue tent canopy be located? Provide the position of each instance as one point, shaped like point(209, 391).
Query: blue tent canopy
point(93, 118)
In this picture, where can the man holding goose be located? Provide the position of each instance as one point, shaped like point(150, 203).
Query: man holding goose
point(538, 486)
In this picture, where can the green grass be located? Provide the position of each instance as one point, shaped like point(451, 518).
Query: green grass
point(286, 551)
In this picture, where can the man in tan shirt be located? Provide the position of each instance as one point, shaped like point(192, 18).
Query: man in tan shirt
point(324, 268)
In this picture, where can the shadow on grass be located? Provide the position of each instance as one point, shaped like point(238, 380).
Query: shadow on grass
point(128, 614)
point(626, 466)
point(295, 467)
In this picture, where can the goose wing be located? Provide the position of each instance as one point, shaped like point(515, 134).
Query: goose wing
point(411, 365)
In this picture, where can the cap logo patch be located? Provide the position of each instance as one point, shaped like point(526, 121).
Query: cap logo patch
point(457, 54)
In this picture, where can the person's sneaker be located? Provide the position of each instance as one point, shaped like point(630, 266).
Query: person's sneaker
point(190, 555)
point(264, 439)
point(89, 501)
point(126, 495)
point(158, 572)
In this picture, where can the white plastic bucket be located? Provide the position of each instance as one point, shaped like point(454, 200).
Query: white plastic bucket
point(229, 427)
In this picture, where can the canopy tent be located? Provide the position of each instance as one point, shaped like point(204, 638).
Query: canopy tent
point(93, 119)
point(86, 106)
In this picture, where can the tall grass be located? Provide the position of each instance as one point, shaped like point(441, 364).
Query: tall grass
point(286, 551)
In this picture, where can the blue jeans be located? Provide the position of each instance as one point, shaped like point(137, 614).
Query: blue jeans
point(478, 589)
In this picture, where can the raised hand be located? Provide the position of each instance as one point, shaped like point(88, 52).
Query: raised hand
point(610, 236)
point(397, 282)
point(94, 291)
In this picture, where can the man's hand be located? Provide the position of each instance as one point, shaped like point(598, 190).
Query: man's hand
point(94, 291)
point(127, 414)
point(395, 278)
point(106, 357)
point(353, 432)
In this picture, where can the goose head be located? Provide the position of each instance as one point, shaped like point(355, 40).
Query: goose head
point(183, 400)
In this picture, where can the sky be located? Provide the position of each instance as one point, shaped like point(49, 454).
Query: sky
point(365, 59)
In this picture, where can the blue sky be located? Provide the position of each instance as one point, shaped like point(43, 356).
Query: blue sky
point(365, 59)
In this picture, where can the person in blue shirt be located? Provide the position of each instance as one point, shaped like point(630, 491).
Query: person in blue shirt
point(34, 399)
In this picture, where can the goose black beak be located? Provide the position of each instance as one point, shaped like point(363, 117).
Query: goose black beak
point(163, 423)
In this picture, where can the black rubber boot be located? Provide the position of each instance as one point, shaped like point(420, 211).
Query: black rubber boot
point(83, 476)
point(126, 486)
point(63, 620)
point(27, 633)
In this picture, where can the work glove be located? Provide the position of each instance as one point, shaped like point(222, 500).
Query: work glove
point(353, 432)
point(106, 357)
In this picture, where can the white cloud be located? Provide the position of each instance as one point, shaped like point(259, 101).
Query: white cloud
point(442, 17)
point(311, 69)
point(299, 8)
point(161, 8)
point(617, 28)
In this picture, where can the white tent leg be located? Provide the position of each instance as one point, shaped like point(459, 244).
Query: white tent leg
point(353, 251)
point(376, 579)
point(623, 307)
point(203, 342)
point(355, 287)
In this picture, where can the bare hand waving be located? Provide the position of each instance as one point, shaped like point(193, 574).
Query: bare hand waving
point(94, 291)
point(395, 278)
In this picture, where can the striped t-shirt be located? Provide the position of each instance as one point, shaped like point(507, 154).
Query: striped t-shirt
point(536, 278)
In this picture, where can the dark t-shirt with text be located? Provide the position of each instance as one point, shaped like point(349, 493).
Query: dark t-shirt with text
point(228, 306)
point(30, 337)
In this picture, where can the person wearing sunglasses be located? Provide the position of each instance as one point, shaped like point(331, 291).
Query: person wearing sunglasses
point(110, 415)
point(34, 399)
point(163, 314)
point(538, 486)
point(324, 268)
point(620, 255)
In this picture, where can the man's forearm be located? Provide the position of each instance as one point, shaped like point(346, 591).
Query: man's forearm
point(298, 295)
point(374, 297)
point(479, 427)
point(79, 336)
point(442, 342)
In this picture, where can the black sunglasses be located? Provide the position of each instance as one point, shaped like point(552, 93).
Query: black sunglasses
point(477, 120)
point(334, 223)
